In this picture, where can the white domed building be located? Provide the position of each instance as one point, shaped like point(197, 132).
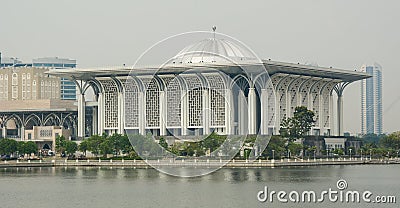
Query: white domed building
point(214, 85)
point(213, 50)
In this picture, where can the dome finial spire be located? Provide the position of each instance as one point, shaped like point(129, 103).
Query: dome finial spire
point(214, 28)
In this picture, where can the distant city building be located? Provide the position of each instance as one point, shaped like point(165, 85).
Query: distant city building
point(54, 62)
point(68, 88)
point(371, 100)
point(11, 61)
point(335, 143)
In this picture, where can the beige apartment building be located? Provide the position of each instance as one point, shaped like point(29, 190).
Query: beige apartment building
point(31, 109)
point(28, 83)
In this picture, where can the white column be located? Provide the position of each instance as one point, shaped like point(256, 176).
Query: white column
point(340, 115)
point(142, 112)
point(4, 131)
point(100, 114)
point(121, 114)
point(94, 120)
point(206, 112)
point(309, 99)
point(264, 111)
point(310, 103)
point(184, 113)
point(81, 115)
point(321, 113)
point(242, 114)
point(277, 112)
point(288, 104)
point(229, 112)
point(332, 121)
point(22, 133)
point(163, 114)
point(252, 111)
point(298, 94)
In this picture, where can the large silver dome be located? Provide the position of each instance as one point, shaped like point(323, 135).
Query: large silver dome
point(213, 50)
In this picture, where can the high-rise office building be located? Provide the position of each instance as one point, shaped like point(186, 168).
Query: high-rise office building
point(10, 61)
point(371, 100)
point(68, 88)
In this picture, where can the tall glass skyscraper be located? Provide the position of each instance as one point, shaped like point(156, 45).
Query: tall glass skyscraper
point(68, 88)
point(371, 100)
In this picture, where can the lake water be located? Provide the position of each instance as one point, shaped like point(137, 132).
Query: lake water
point(228, 187)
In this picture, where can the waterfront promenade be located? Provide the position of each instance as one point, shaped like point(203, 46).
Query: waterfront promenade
point(195, 163)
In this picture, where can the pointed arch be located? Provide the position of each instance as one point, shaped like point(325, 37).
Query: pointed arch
point(53, 118)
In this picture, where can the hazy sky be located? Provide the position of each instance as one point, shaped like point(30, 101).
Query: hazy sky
point(340, 33)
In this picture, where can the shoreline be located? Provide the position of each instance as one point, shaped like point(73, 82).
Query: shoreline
point(197, 164)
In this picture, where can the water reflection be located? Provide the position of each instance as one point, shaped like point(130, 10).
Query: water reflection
point(130, 187)
point(233, 175)
point(32, 172)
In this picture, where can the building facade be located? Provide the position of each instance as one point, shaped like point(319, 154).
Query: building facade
point(67, 87)
point(371, 100)
point(31, 108)
point(198, 92)
point(28, 83)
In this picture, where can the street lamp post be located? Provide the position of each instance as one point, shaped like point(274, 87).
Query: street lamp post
point(350, 153)
point(370, 154)
point(361, 154)
point(273, 155)
point(314, 155)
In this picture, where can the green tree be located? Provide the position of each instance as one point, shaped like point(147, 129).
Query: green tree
point(338, 151)
point(299, 125)
point(212, 142)
point(176, 148)
point(106, 147)
point(309, 151)
point(60, 144)
point(63, 145)
point(372, 138)
point(29, 147)
point(94, 143)
point(116, 143)
point(84, 146)
point(21, 148)
point(192, 149)
point(391, 141)
point(8, 146)
point(295, 149)
point(126, 145)
point(71, 147)
point(163, 143)
point(277, 145)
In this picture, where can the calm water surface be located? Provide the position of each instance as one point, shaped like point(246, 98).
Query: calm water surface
point(238, 187)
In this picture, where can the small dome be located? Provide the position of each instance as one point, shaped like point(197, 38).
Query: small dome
point(213, 50)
